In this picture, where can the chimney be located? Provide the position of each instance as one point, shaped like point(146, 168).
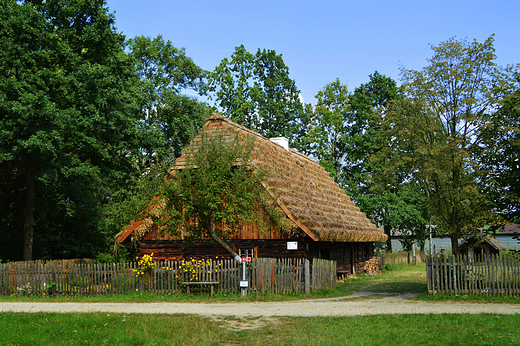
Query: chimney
point(284, 142)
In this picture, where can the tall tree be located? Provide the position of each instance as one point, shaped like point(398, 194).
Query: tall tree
point(327, 135)
point(437, 129)
point(66, 123)
point(257, 92)
point(393, 202)
point(165, 73)
point(368, 104)
point(500, 158)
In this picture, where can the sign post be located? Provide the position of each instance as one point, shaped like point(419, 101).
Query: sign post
point(244, 284)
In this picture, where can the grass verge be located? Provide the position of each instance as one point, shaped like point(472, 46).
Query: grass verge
point(135, 329)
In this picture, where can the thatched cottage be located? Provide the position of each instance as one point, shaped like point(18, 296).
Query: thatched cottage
point(325, 222)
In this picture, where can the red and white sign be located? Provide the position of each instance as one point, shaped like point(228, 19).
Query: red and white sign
point(246, 259)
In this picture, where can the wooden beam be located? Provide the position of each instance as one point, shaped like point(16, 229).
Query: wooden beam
point(129, 231)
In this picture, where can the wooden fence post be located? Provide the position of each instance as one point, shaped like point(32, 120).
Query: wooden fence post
point(307, 277)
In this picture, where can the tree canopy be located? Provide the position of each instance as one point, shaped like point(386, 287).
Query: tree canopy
point(170, 118)
point(65, 128)
point(437, 130)
point(256, 91)
point(327, 135)
point(500, 158)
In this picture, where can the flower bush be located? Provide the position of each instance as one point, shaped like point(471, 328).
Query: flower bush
point(193, 268)
point(146, 265)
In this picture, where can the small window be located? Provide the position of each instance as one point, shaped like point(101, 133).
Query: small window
point(246, 253)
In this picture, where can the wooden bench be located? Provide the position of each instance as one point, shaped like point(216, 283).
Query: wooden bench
point(210, 283)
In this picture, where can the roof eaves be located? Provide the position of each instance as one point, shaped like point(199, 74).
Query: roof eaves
point(129, 231)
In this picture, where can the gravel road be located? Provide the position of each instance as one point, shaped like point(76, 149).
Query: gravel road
point(319, 307)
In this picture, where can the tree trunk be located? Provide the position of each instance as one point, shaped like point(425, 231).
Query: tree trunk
point(454, 243)
point(388, 230)
point(30, 190)
point(216, 239)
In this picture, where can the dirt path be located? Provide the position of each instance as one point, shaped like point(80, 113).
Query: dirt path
point(344, 306)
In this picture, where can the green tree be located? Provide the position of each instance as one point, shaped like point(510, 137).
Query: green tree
point(500, 158)
point(328, 129)
point(256, 91)
point(393, 202)
point(66, 124)
point(219, 196)
point(437, 130)
point(169, 118)
point(368, 106)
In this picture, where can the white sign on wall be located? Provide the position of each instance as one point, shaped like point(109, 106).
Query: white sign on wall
point(292, 245)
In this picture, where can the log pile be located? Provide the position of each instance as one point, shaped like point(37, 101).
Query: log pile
point(371, 266)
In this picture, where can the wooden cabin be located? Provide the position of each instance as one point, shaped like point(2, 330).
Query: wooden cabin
point(324, 222)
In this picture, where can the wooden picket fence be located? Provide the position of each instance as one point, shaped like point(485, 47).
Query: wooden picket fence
point(264, 275)
point(492, 275)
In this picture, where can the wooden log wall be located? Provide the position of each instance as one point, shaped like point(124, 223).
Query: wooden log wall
point(178, 250)
point(249, 232)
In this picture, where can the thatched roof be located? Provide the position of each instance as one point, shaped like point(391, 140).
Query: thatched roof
point(137, 229)
point(302, 188)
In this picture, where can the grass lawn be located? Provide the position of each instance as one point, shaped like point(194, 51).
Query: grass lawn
point(135, 329)
point(118, 329)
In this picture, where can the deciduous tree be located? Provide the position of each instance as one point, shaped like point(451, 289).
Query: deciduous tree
point(257, 92)
point(437, 129)
point(169, 118)
point(391, 201)
point(66, 124)
point(500, 158)
point(328, 128)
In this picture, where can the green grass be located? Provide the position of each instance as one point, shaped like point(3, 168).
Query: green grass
point(400, 279)
point(120, 329)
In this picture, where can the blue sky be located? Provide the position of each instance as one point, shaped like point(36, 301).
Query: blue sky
point(322, 41)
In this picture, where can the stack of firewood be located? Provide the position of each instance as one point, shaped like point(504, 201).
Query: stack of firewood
point(371, 266)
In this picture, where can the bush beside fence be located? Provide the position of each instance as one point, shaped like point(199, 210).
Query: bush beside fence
point(264, 275)
point(493, 275)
